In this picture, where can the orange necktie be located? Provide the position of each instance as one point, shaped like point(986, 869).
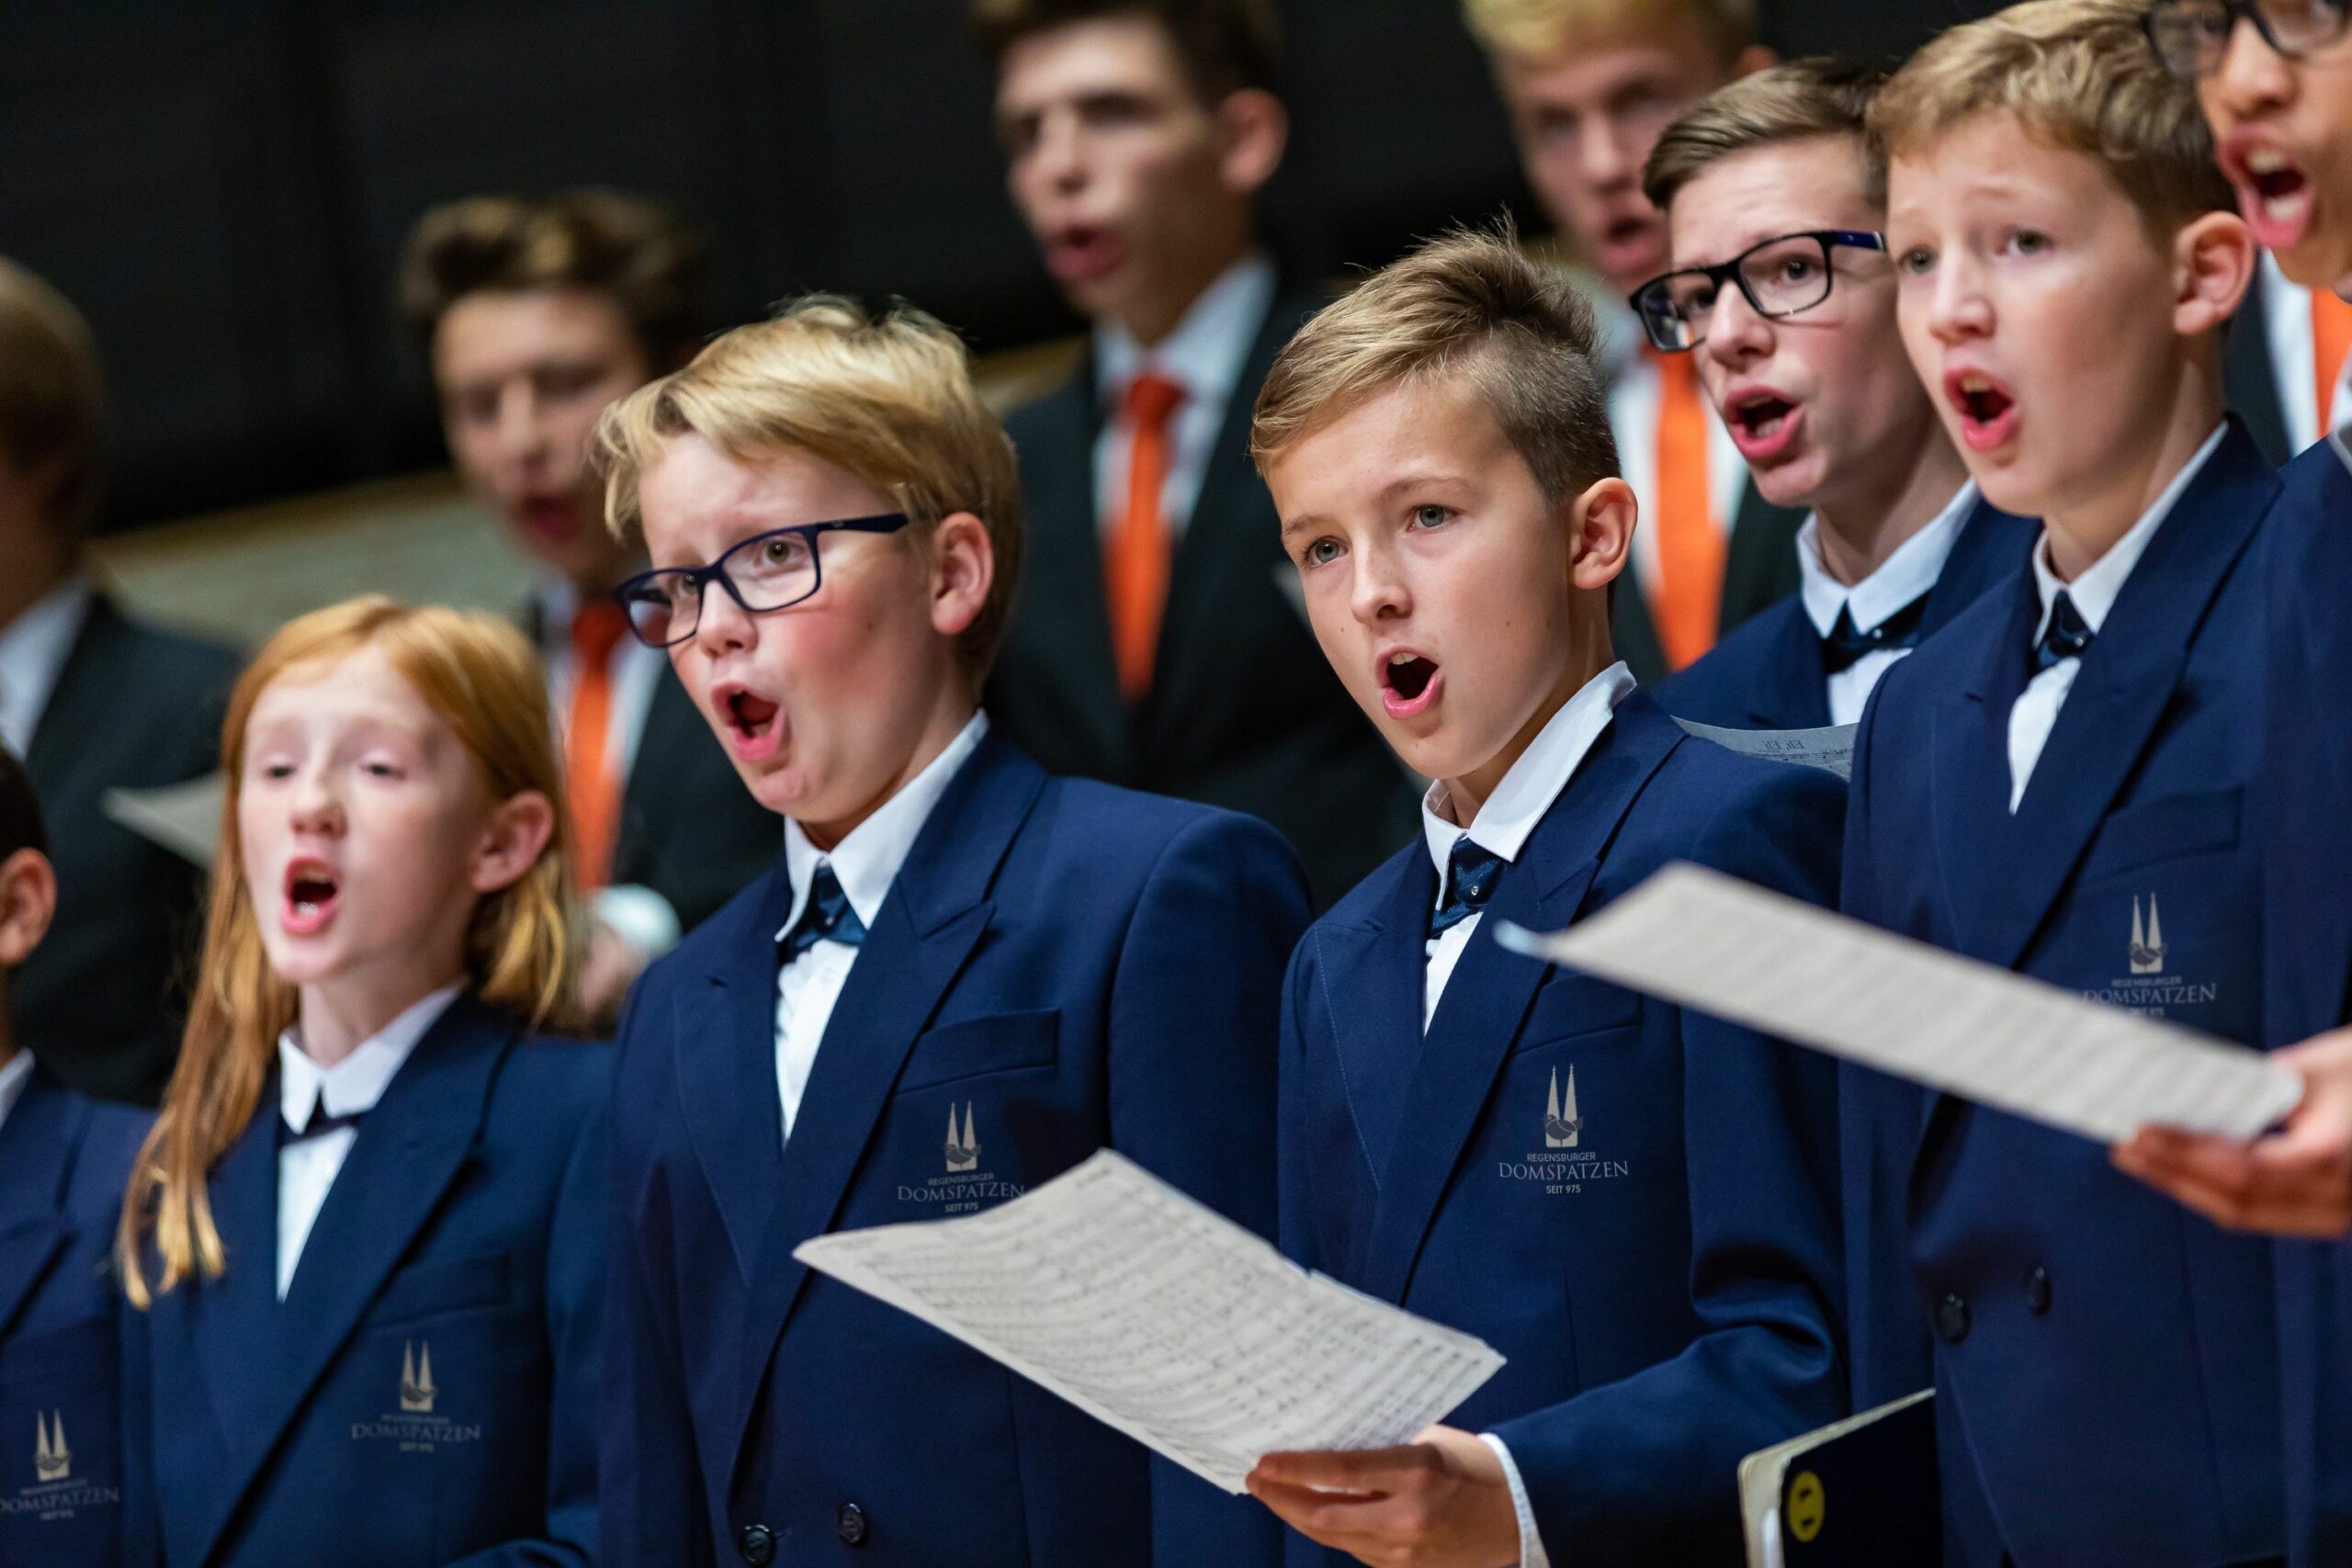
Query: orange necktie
point(1136, 557)
point(2331, 345)
point(1686, 602)
point(596, 629)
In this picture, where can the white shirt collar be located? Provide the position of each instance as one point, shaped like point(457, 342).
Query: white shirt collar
point(1900, 579)
point(13, 1079)
point(1530, 786)
point(33, 651)
point(354, 1085)
point(2094, 592)
point(1206, 351)
point(867, 859)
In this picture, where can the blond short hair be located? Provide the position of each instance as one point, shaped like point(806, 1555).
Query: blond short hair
point(888, 397)
point(51, 398)
point(2078, 74)
point(1801, 101)
point(1543, 26)
point(1469, 307)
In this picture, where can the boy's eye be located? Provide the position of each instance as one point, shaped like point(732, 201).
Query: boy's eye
point(1322, 552)
point(2029, 242)
point(1917, 261)
point(277, 771)
point(1430, 515)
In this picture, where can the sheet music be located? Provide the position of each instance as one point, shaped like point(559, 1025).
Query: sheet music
point(1710, 942)
point(1830, 747)
point(183, 817)
point(1167, 1321)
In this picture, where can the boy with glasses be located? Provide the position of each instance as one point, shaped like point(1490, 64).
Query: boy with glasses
point(953, 938)
point(2075, 754)
point(1784, 297)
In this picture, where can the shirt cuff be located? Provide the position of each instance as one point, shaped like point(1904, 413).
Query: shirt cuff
point(639, 916)
point(1531, 1545)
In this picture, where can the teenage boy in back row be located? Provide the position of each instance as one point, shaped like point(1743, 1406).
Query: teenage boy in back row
point(1633, 1202)
point(1783, 296)
point(2058, 783)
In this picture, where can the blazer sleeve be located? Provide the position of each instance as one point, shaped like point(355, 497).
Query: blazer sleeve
point(1645, 1469)
point(1889, 1351)
point(1294, 1179)
point(1195, 1009)
point(143, 1514)
point(649, 1483)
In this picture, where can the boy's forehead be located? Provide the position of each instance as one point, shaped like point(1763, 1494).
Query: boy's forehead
point(1760, 193)
point(1092, 55)
point(1994, 151)
point(1424, 426)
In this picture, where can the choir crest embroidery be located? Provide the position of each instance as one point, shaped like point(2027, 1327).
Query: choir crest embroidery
point(1561, 1122)
point(2147, 950)
point(416, 1381)
point(52, 1460)
point(964, 1153)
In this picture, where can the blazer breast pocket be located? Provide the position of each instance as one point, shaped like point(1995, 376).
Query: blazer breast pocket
point(1570, 1005)
point(976, 1045)
point(430, 1290)
point(2173, 827)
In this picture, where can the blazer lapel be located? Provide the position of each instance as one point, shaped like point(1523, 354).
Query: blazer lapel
point(928, 925)
point(1794, 692)
point(1477, 1020)
point(725, 1053)
point(37, 1143)
point(1991, 546)
point(1760, 561)
point(2128, 678)
point(408, 1152)
point(2251, 379)
point(1373, 997)
point(1064, 565)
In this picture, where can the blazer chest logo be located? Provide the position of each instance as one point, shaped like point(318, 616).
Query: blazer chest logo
point(2152, 983)
point(1561, 1162)
point(55, 1496)
point(963, 1188)
point(414, 1427)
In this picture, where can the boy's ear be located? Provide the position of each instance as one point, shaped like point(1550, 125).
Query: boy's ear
point(517, 835)
point(27, 899)
point(1601, 532)
point(963, 569)
point(1255, 128)
point(2213, 262)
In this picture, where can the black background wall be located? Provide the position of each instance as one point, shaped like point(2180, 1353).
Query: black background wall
point(224, 189)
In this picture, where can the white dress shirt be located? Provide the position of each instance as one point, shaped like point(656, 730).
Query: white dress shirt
point(1205, 355)
point(307, 1168)
point(866, 862)
point(1528, 788)
point(2094, 593)
point(13, 1079)
point(638, 915)
point(33, 651)
point(2287, 328)
point(1632, 420)
point(1900, 579)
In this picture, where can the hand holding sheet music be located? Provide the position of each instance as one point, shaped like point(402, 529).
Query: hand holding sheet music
point(1168, 1322)
point(1706, 941)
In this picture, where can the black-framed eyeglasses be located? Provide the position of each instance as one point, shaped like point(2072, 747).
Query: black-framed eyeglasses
point(1780, 277)
point(2192, 36)
point(764, 573)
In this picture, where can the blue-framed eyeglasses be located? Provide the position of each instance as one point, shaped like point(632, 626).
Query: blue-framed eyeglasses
point(764, 573)
point(1780, 277)
point(2192, 36)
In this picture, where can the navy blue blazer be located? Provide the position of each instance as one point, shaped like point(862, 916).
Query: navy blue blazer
point(1767, 674)
point(64, 1161)
point(425, 1394)
point(2306, 803)
point(2104, 1360)
point(1666, 1284)
point(1063, 965)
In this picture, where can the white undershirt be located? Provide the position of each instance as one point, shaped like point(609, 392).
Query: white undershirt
point(2035, 713)
point(307, 1167)
point(33, 651)
point(1530, 788)
point(866, 862)
point(1900, 580)
point(13, 1079)
point(1205, 355)
point(2287, 326)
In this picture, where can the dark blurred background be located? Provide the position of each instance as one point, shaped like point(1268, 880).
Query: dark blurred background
point(224, 189)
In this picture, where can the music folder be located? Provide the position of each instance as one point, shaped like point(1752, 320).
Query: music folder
point(1860, 1492)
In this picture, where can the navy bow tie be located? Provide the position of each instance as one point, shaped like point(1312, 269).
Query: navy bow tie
point(320, 1123)
point(827, 917)
point(2068, 636)
point(1471, 872)
point(1845, 646)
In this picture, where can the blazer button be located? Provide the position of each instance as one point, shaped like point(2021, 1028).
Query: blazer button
point(849, 1523)
point(757, 1545)
point(1951, 1319)
point(2037, 1292)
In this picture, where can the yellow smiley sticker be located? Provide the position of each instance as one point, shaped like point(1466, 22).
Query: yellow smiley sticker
point(1807, 1505)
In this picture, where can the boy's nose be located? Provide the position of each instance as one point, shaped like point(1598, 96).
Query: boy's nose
point(2252, 76)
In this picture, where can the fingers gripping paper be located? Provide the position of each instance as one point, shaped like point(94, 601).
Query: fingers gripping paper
point(1163, 1319)
point(1706, 941)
